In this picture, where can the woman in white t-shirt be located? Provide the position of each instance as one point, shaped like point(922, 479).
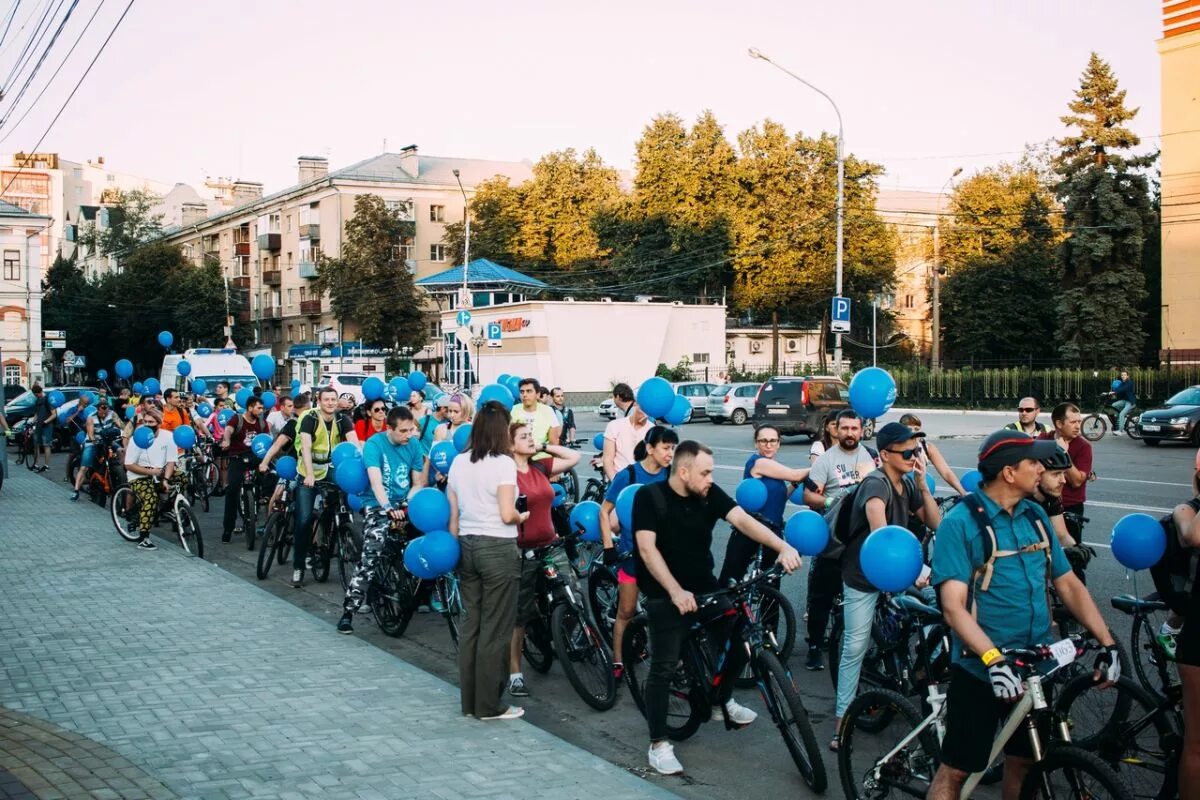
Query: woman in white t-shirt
point(482, 490)
point(825, 440)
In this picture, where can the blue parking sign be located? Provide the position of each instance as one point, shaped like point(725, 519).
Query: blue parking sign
point(494, 334)
point(839, 315)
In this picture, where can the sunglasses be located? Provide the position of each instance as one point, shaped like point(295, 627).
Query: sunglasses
point(1027, 410)
point(377, 409)
point(905, 454)
point(767, 441)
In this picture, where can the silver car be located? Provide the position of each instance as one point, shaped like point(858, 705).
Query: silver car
point(696, 393)
point(733, 402)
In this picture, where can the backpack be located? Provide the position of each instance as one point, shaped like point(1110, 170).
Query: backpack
point(981, 578)
point(1175, 572)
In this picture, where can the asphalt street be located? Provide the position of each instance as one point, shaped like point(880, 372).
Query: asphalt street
point(752, 762)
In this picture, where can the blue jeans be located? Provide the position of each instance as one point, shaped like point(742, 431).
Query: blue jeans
point(858, 613)
point(303, 500)
point(1124, 407)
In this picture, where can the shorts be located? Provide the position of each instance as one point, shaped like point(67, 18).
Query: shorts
point(973, 716)
point(88, 459)
point(624, 576)
point(44, 434)
point(1187, 642)
point(527, 590)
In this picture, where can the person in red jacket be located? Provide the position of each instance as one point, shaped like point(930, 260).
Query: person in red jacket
point(376, 421)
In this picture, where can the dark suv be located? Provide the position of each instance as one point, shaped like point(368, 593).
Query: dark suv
point(796, 406)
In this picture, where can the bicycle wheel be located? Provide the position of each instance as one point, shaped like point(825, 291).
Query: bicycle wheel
point(1071, 772)
point(273, 535)
point(790, 717)
point(687, 707)
point(602, 599)
point(248, 508)
point(1131, 424)
point(349, 554)
point(1146, 653)
point(570, 483)
point(287, 540)
point(538, 646)
point(584, 656)
point(187, 527)
point(777, 616)
point(393, 596)
point(593, 490)
point(124, 511)
point(1094, 427)
point(864, 766)
point(1091, 714)
point(447, 589)
point(322, 550)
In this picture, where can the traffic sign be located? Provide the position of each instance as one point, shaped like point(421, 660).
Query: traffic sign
point(54, 334)
point(463, 318)
point(839, 315)
point(69, 358)
point(494, 334)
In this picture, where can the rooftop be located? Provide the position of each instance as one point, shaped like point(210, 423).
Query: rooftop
point(480, 272)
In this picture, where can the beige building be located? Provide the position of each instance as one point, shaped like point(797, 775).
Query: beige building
point(268, 247)
point(1179, 55)
point(24, 246)
point(750, 349)
point(915, 217)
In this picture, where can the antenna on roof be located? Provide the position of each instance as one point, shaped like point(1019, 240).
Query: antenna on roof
point(384, 144)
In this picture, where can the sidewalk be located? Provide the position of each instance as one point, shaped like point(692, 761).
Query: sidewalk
point(128, 674)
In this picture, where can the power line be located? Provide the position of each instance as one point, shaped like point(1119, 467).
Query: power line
point(12, 14)
point(38, 65)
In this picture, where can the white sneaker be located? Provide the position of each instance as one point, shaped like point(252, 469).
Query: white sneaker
point(663, 760)
point(512, 712)
point(738, 714)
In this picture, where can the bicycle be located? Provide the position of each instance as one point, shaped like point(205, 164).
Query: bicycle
point(1099, 422)
point(249, 497)
point(202, 475)
point(332, 533)
point(102, 478)
point(907, 766)
point(277, 533)
point(446, 589)
point(695, 688)
point(392, 592)
point(176, 510)
point(1150, 660)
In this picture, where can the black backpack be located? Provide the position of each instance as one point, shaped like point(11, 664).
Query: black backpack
point(981, 579)
point(1175, 572)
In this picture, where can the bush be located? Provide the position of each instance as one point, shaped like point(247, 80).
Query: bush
point(680, 372)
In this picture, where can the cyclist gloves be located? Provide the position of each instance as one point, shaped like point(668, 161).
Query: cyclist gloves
point(1079, 555)
point(1005, 683)
point(1108, 664)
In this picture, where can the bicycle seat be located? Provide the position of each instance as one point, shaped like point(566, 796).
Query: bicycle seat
point(1129, 604)
point(917, 608)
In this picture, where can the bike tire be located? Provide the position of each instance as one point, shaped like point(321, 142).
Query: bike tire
point(570, 482)
point(538, 645)
point(1094, 427)
point(394, 597)
point(349, 555)
point(248, 508)
point(1131, 421)
point(777, 615)
point(593, 490)
point(911, 770)
point(273, 535)
point(584, 656)
point(322, 553)
point(125, 521)
point(791, 718)
point(452, 603)
point(1071, 768)
point(187, 528)
point(602, 600)
point(686, 705)
point(1144, 648)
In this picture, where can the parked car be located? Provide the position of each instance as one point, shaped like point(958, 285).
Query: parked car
point(696, 393)
point(733, 402)
point(607, 409)
point(796, 406)
point(20, 409)
point(348, 383)
point(1177, 420)
point(12, 391)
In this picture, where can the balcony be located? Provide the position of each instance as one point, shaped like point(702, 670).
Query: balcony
point(310, 308)
point(272, 313)
point(243, 316)
point(241, 248)
point(311, 230)
point(270, 241)
point(271, 277)
point(241, 282)
point(308, 269)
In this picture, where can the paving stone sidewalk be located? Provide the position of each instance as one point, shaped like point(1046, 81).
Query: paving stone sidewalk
point(193, 683)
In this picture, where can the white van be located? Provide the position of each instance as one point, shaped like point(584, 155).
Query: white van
point(210, 364)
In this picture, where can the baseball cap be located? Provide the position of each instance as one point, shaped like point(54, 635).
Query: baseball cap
point(895, 433)
point(442, 402)
point(1005, 448)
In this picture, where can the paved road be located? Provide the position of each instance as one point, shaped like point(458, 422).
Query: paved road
point(1133, 477)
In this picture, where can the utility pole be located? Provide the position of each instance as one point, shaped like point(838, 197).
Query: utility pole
point(935, 350)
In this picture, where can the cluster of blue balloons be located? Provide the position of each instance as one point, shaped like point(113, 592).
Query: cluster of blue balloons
point(658, 400)
point(432, 555)
point(349, 471)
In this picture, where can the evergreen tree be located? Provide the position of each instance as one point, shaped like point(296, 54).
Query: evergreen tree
point(1105, 194)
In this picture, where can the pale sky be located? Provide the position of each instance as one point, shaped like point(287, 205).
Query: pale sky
point(239, 88)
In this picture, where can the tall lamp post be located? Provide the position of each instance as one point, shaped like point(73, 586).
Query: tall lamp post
point(841, 186)
point(464, 295)
point(935, 351)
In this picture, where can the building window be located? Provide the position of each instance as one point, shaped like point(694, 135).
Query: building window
point(303, 294)
point(437, 253)
point(699, 358)
point(407, 243)
point(12, 265)
point(437, 213)
point(12, 375)
point(435, 329)
point(289, 226)
point(292, 297)
point(304, 331)
point(291, 334)
point(908, 301)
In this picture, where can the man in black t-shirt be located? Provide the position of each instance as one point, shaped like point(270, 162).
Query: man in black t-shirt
point(673, 521)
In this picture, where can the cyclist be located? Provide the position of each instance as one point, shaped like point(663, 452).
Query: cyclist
point(151, 465)
point(1001, 602)
point(538, 416)
point(428, 425)
point(567, 414)
point(284, 440)
point(1124, 402)
point(377, 422)
point(621, 437)
point(1048, 494)
point(545, 399)
point(1027, 418)
point(654, 454)
point(930, 455)
point(1187, 650)
point(674, 520)
point(285, 409)
point(235, 442)
point(1067, 424)
point(321, 429)
point(396, 467)
point(102, 431)
point(74, 422)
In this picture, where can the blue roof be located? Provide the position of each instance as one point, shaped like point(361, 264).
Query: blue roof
point(481, 271)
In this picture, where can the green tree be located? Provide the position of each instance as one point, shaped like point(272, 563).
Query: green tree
point(130, 222)
point(368, 286)
point(566, 192)
point(1106, 198)
point(496, 214)
point(990, 210)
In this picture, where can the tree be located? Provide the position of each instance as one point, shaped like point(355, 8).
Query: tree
point(566, 192)
point(369, 286)
point(1107, 211)
point(130, 222)
point(990, 212)
point(496, 215)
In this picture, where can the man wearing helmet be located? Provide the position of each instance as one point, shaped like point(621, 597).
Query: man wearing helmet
point(1048, 495)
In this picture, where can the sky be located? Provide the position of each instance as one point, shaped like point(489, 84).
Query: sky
point(240, 88)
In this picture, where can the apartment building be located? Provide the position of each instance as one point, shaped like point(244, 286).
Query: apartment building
point(915, 217)
point(24, 245)
point(269, 247)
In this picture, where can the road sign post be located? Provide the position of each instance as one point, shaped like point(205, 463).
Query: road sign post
point(839, 315)
point(495, 334)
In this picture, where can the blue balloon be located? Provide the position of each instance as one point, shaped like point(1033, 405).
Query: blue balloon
point(153, 386)
point(166, 339)
point(494, 391)
point(286, 467)
point(124, 369)
point(513, 384)
point(243, 396)
point(560, 494)
point(585, 518)
point(130, 411)
point(655, 397)
point(372, 389)
point(199, 386)
point(1116, 383)
point(89, 396)
point(351, 476)
point(598, 442)
point(185, 437)
point(462, 437)
point(101, 374)
point(269, 400)
point(929, 481)
point(680, 410)
point(139, 387)
point(204, 410)
point(891, 558)
point(797, 496)
point(624, 506)
point(807, 532)
point(355, 501)
point(1138, 541)
point(400, 389)
point(872, 392)
point(224, 415)
point(439, 553)
point(413, 560)
point(80, 437)
point(971, 480)
point(143, 437)
point(441, 455)
point(751, 494)
point(263, 367)
point(429, 510)
point(184, 367)
point(345, 451)
point(56, 398)
point(89, 411)
point(417, 380)
point(295, 385)
point(260, 444)
point(502, 378)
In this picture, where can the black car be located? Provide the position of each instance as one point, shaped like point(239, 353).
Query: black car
point(21, 408)
point(796, 406)
point(1177, 420)
point(12, 391)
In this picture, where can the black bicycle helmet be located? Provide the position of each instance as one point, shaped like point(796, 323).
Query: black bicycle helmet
point(1060, 460)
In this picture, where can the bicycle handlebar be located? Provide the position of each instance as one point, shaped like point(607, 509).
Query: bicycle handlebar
point(709, 598)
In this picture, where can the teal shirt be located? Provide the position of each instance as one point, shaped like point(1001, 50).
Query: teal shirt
point(1012, 612)
point(396, 463)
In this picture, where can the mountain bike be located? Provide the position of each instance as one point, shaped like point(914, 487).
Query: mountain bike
point(392, 591)
point(277, 533)
point(202, 475)
point(173, 508)
point(332, 535)
point(1155, 669)
point(695, 688)
point(1104, 419)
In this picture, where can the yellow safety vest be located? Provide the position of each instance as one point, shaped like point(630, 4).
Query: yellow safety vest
point(324, 440)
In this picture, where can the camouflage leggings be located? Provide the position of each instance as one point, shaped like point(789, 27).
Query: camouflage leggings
point(146, 491)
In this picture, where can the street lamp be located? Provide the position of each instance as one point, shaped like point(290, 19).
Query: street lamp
point(841, 185)
point(464, 299)
point(935, 352)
